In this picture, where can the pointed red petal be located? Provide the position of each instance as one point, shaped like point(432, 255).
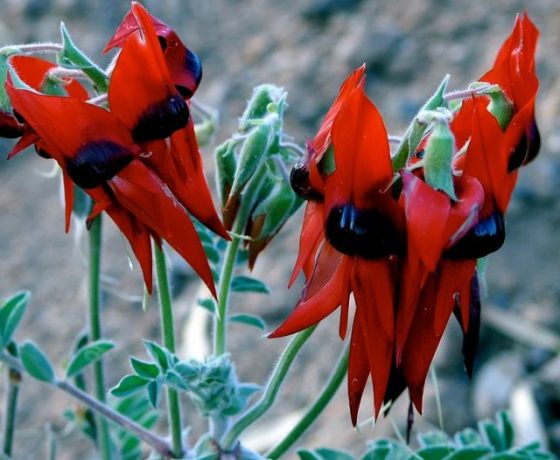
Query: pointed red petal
point(68, 200)
point(427, 211)
point(358, 368)
point(323, 138)
point(141, 192)
point(137, 234)
point(180, 167)
point(374, 309)
point(318, 306)
point(141, 93)
point(66, 124)
point(361, 152)
point(310, 239)
point(28, 138)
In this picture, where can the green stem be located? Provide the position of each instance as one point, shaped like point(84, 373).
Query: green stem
point(220, 329)
point(329, 390)
point(274, 383)
point(159, 444)
point(168, 333)
point(95, 331)
point(14, 379)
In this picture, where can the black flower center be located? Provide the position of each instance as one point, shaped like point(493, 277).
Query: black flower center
point(97, 162)
point(162, 119)
point(485, 237)
point(299, 180)
point(364, 233)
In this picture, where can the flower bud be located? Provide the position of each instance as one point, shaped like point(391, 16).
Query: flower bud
point(438, 158)
point(224, 157)
point(269, 216)
point(265, 99)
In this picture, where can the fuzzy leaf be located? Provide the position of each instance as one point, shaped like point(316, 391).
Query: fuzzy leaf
point(251, 320)
point(153, 389)
point(208, 304)
point(160, 355)
point(248, 284)
point(11, 315)
point(36, 363)
point(129, 385)
point(144, 368)
point(88, 355)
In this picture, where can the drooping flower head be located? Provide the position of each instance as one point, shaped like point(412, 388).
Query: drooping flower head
point(139, 160)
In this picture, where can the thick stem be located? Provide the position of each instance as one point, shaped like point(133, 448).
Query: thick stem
point(157, 443)
point(95, 330)
point(312, 414)
point(14, 379)
point(274, 383)
point(168, 333)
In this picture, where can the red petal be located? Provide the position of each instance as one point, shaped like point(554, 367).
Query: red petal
point(33, 71)
point(137, 234)
point(180, 167)
point(140, 83)
point(309, 240)
point(361, 152)
point(374, 309)
point(141, 192)
point(323, 138)
point(358, 368)
point(65, 124)
point(319, 305)
point(68, 200)
point(427, 212)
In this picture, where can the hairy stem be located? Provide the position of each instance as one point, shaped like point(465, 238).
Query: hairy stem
point(156, 442)
point(329, 390)
point(274, 383)
point(168, 333)
point(95, 330)
point(14, 379)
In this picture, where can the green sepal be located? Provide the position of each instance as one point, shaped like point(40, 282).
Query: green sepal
point(438, 159)
point(500, 106)
point(5, 103)
point(71, 57)
point(415, 132)
point(252, 154)
point(265, 99)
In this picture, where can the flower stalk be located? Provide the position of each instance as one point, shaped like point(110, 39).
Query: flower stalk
point(95, 329)
point(156, 442)
point(14, 379)
point(271, 391)
point(315, 410)
point(168, 335)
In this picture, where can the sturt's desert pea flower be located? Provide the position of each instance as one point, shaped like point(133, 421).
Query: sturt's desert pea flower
point(406, 242)
point(139, 161)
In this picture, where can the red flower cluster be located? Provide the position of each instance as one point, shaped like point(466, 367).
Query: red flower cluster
point(405, 249)
point(139, 160)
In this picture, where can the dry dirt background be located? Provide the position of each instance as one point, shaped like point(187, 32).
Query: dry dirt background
point(308, 47)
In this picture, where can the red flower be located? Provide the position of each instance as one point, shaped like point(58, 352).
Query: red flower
point(184, 65)
point(514, 71)
point(121, 157)
point(351, 235)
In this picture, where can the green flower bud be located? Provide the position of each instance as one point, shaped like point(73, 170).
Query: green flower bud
point(226, 163)
point(265, 99)
point(438, 158)
point(415, 132)
point(269, 216)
